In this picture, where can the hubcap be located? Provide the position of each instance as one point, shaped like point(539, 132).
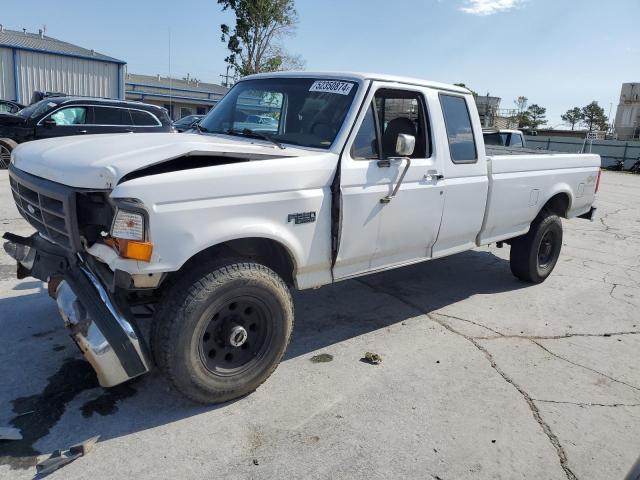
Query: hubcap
point(236, 336)
point(545, 251)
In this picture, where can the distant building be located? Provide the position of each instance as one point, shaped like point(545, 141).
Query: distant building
point(487, 109)
point(32, 62)
point(627, 125)
point(180, 97)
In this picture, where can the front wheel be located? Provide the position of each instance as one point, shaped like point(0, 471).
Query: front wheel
point(222, 329)
point(6, 147)
point(533, 256)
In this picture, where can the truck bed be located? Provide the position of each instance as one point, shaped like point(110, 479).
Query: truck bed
point(521, 181)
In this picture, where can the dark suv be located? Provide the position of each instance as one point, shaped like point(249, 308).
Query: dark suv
point(62, 116)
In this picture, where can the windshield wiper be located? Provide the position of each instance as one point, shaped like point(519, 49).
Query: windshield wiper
point(263, 136)
point(199, 128)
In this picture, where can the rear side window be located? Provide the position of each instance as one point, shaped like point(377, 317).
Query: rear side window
point(111, 116)
point(143, 119)
point(462, 143)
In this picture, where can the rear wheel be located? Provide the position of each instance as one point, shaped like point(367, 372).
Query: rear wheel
point(6, 147)
point(222, 330)
point(533, 256)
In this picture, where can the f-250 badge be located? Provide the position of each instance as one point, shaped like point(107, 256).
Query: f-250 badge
point(302, 217)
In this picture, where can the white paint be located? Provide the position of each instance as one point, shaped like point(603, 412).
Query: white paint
point(191, 210)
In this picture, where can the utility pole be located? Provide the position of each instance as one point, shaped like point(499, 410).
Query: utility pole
point(226, 77)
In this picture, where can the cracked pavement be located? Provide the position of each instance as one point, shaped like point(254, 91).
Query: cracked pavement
point(482, 376)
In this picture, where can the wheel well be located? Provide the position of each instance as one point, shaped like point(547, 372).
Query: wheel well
point(558, 204)
point(269, 253)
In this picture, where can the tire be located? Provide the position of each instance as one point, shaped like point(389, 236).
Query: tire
point(6, 147)
point(533, 256)
point(197, 334)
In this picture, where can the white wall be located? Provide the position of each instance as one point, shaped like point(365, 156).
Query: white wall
point(7, 84)
point(73, 76)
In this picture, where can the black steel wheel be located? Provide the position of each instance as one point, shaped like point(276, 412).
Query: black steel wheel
point(221, 329)
point(236, 337)
point(533, 256)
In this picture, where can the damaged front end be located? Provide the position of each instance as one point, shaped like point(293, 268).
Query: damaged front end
point(105, 332)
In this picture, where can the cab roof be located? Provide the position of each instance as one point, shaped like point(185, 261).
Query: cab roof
point(361, 77)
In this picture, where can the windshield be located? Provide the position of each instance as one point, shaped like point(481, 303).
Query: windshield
point(300, 111)
point(37, 109)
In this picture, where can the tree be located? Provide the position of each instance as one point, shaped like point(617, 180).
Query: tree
point(536, 116)
point(573, 117)
point(253, 43)
point(594, 117)
point(522, 115)
point(473, 92)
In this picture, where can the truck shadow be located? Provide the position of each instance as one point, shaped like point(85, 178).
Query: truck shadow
point(37, 355)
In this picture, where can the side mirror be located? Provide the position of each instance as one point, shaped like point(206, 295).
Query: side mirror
point(405, 145)
point(49, 122)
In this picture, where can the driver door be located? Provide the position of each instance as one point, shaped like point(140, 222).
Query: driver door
point(65, 121)
point(376, 234)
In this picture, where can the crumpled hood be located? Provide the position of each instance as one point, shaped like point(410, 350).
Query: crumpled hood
point(100, 161)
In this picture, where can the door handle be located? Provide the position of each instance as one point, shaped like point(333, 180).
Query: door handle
point(433, 174)
point(82, 131)
point(388, 198)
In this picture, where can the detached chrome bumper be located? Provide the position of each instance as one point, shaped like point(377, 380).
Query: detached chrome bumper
point(107, 339)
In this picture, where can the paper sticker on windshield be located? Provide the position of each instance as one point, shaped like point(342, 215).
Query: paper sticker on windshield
point(331, 86)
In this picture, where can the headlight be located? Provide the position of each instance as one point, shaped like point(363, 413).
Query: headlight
point(128, 235)
point(128, 226)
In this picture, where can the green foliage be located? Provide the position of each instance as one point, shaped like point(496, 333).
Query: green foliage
point(593, 117)
point(573, 117)
point(473, 92)
point(253, 41)
point(536, 116)
point(521, 117)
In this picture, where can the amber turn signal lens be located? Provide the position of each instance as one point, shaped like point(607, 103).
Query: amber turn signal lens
point(134, 250)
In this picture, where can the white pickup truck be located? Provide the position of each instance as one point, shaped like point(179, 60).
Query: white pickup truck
point(352, 174)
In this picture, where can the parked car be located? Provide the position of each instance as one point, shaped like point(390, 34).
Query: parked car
point(9, 106)
point(187, 122)
point(504, 138)
point(63, 116)
point(211, 229)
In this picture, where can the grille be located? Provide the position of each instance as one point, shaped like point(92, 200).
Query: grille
point(48, 206)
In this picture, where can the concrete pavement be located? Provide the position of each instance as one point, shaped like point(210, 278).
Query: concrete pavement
point(482, 376)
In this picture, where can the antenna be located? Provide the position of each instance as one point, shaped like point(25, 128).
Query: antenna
point(170, 81)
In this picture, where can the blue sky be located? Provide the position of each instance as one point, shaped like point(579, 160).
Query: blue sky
point(558, 53)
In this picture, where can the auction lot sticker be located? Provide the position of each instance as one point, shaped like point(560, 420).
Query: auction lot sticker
point(331, 86)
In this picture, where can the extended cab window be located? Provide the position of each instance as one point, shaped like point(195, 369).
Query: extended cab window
point(70, 116)
point(462, 143)
point(111, 116)
point(393, 112)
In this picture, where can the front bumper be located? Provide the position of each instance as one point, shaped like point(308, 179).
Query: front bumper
point(108, 339)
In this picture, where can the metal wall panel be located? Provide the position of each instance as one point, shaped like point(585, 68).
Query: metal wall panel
point(7, 82)
point(73, 76)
